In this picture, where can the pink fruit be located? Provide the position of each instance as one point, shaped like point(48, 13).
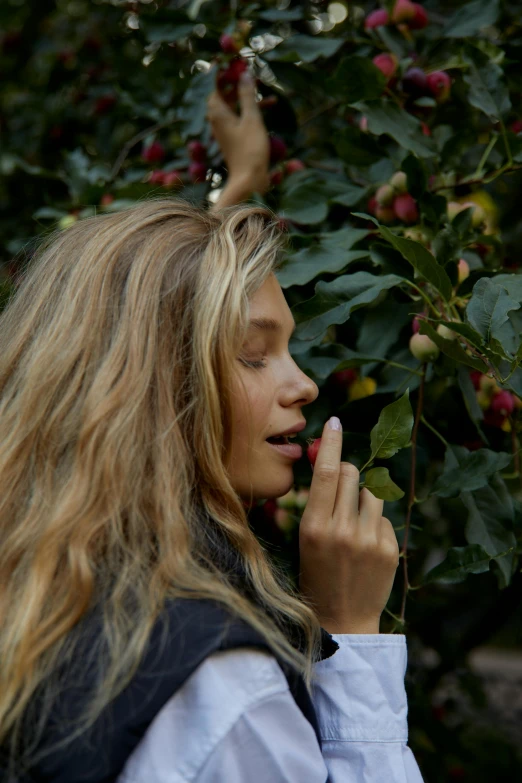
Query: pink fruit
point(278, 149)
point(403, 11)
point(377, 18)
point(439, 84)
point(405, 208)
point(363, 124)
point(415, 323)
point(197, 172)
point(503, 403)
point(399, 182)
point(312, 450)
point(294, 164)
point(154, 153)
point(423, 348)
point(463, 267)
point(197, 151)
point(172, 178)
point(386, 63)
point(420, 20)
point(228, 44)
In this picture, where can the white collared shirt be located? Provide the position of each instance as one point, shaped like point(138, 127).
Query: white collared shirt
point(235, 720)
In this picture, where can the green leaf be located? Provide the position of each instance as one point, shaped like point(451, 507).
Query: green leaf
point(165, 33)
point(451, 348)
point(471, 18)
point(357, 148)
point(487, 91)
point(378, 481)
point(459, 562)
point(464, 330)
point(328, 255)
point(335, 301)
point(351, 195)
point(304, 47)
point(323, 360)
point(393, 430)
point(474, 471)
point(194, 104)
point(420, 258)
point(288, 15)
point(488, 308)
point(469, 396)
point(305, 204)
point(355, 79)
point(386, 117)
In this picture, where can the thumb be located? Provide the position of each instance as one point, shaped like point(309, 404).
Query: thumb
point(247, 94)
point(218, 109)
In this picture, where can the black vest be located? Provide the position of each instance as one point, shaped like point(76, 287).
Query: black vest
point(186, 633)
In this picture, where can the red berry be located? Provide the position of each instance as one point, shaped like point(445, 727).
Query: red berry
point(386, 63)
point(106, 199)
point(228, 44)
point(415, 323)
point(197, 151)
point(439, 84)
point(154, 153)
point(475, 376)
point(377, 18)
point(344, 378)
point(494, 418)
point(228, 78)
point(157, 177)
point(503, 402)
point(312, 450)
point(420, 20)
point(172, 178)
point(294, 164)
point(516, 126)
point(104, 104)
point(278, 149)
point(415, 82)
point(405, 207)
point(197, 171)
point(372, 205)
point(426, 131)
point(276, 177)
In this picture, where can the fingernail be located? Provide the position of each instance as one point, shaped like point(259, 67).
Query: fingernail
point(335, 424)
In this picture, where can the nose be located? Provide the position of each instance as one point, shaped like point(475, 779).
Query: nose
point(308, 389)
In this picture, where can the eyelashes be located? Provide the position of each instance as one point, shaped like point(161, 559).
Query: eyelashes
point(256, 365)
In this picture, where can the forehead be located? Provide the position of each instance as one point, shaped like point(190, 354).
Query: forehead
point(269, 310)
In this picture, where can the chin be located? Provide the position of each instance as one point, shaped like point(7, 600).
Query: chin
point(270, 490)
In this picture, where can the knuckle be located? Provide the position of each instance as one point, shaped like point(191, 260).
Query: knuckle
point(350, 472)
point(326, 472)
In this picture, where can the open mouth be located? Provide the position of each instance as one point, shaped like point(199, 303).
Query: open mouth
point(279, 440)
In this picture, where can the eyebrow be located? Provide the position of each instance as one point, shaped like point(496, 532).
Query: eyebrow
point(268, 325)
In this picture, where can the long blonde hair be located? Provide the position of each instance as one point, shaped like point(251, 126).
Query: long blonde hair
point(116, 354)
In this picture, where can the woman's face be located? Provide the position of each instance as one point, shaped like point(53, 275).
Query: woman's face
point(275, 391)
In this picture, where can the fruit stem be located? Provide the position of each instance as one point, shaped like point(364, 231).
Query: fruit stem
point(425, 297)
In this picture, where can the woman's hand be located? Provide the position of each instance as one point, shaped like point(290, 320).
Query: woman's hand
point(348, 551)
point(243, 140)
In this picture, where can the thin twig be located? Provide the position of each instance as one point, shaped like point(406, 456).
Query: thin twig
point(135, 139)
point(411, 499)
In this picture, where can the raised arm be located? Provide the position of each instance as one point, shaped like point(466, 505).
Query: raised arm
point(244, 143)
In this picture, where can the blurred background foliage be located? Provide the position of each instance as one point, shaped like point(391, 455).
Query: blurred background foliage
point(103, 102)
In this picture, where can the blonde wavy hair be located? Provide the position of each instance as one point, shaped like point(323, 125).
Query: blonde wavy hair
point(117, 351)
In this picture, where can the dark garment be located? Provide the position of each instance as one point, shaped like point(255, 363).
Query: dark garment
point(187, 632)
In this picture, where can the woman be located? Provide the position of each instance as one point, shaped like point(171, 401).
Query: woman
point(144, 633)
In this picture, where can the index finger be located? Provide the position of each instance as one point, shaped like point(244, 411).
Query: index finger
point(323, 489)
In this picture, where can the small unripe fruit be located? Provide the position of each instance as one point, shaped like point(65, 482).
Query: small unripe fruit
point(423, 348)
point(283, 519)
point(385, 195)
point(361, 388)
point(403, 11)
point(399, 182)
point(405, 208)
point(420, 20)
point(503, 403)
point(197, 172)
point(197, 151)
point(439, 84)
point(228, 44)
point(67, 221)
point(416, 234)
point(488, 385)
point(386, 63)
point(312, 450)
point(463, 270)
point(384, 214)
point(448, 334)
point(278, 149)
point(453, 208)
point(294, 164)
point(302, 498)
point(378, 18)
point(154, 153)
point(415, 82)
point(484, 400)
point(288, 500)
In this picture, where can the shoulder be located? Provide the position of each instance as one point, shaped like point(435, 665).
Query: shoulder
point(226, 686)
